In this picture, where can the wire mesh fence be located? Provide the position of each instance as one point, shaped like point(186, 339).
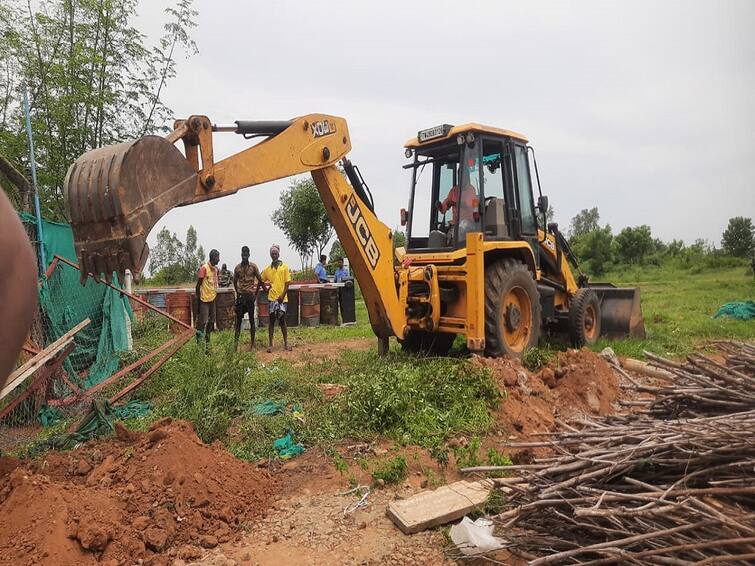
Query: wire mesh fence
point(88, 342)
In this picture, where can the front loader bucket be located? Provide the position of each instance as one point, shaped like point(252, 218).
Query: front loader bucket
point(114, 195)
point(620, 311)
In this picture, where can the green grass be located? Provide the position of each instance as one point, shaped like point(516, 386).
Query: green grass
point(678, 306)
point(418, 401)
point(390, 471)
point(361, 329)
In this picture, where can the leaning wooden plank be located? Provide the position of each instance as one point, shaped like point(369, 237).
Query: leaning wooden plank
point(443, 505)
point(177, 342)
point(42, 375)
point(27, 369)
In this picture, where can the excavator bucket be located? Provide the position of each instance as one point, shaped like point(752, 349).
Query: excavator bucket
point(114, 195)
point(620, 311)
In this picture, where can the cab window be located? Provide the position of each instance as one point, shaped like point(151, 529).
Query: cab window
point(524, 191)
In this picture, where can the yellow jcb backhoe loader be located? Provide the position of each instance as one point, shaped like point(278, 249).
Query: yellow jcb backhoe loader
point(479, 260)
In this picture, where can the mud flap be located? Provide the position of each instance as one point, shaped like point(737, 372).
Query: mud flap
point(620, 311)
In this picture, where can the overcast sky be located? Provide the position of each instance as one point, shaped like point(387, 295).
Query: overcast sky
point(643, 109)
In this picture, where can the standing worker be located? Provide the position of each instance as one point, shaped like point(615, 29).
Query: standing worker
point(322, 275)
point(226, 277)
point(278, 276)
point(247, 283)
point(341, 276)
point(341, 272)
point(207, 292)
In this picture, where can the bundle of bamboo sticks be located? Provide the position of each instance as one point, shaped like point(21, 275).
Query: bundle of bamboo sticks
point(648, 488)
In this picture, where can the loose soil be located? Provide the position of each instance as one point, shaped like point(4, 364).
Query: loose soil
point(578, 382)
point(166, 498)
point(307, 525)
point(152, 496)
point(301, 353)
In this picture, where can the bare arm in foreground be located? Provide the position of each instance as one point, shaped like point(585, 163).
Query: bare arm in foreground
point(18, 286)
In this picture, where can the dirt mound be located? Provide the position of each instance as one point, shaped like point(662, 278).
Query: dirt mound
point(578, 381)
point(154, 496)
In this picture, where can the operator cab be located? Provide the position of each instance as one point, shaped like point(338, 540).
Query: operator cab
point(469, 178)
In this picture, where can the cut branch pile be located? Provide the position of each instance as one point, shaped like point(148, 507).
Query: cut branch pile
point(703, 386)
point(644, 490)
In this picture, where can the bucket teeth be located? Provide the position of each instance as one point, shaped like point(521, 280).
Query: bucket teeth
point(114, 196)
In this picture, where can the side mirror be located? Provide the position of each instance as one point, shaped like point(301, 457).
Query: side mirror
point(542, 203)
point(404, 217)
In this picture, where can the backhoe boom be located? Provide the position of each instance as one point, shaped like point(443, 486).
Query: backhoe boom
point(115, 195)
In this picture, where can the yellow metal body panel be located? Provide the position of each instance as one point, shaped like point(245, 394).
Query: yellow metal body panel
point(463, 269)
point(368, 245)
point(566, 277)
point(414, 143)
point(475, 296)
point(294, 151)
point(457, 255)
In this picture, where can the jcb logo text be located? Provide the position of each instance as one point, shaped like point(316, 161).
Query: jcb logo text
point(322, 128)
point(363, 232)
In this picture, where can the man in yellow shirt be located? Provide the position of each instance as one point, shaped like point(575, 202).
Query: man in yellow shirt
point(207, 292)
point(278, 277)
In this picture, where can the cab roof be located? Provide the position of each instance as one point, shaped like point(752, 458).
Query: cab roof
point(453, 131)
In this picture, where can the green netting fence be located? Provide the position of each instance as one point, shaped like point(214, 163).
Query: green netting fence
point(64, 302)
point(101, 349)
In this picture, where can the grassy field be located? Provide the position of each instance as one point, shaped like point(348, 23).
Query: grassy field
point(679, 305)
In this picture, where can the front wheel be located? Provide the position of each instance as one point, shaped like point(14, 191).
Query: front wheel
point(584, 318)
point(513, 314)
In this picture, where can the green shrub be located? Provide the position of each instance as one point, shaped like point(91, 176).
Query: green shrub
point(421, 402)
point(468, 456)
point(391, 471)
point(535, 358)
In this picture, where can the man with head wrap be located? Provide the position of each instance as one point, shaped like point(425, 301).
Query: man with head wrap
point(278, 277)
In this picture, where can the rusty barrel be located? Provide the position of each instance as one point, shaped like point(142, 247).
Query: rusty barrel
point(137, 308)
point(157, 299)
point(263, 310)
point(179, 306)
point(292, 309)
point(225, 309)
point(329, 305)
point(309, 298)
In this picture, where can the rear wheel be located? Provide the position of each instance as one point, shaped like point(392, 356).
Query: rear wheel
point(421, 341)
point(512, 309)
point(584, 318)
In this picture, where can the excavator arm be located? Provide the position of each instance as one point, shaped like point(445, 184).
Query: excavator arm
point(115, 195)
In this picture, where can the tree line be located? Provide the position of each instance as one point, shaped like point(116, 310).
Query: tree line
point(92, 80)
point(600, 250)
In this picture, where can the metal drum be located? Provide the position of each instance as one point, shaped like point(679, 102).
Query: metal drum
point(263, 310)
point(329, 305)
point(179, 306)
point(157, 298)
point(348, 303)
point(310, 306)
point(226, 309)
point(292, 310)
